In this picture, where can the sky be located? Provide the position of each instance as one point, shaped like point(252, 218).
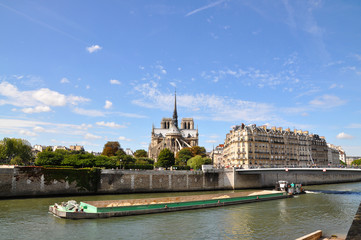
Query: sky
point(88, 72)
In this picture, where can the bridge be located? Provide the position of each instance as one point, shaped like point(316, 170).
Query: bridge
point(267, 177)
point(297, 170)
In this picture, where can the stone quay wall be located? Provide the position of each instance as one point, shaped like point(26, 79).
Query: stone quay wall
point(37, 181)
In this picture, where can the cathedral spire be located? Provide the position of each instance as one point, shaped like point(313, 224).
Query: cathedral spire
point(175, 115)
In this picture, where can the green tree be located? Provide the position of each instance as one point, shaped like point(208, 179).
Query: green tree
point(140, 153)
point(144, 160)
point(197, 150)
point(49, 158)
point(11, 148)
point(111, 148)
point(48, 149)
point(127, 159)
point(356, 162)
point(107, 162)
point(197, 162)
point(120, 153)
point(183, 156)
point(165, 158)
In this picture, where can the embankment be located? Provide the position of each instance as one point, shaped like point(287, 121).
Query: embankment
point(37, 181)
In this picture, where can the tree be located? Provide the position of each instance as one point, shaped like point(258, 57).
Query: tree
point(183, 156)
point(356, 162)
point(197, 162)
point(140, 153)
point(49, 158)
point(11, 148)
point(127, 159)
point(197, 150)
point(111, 148)
point(165, 158)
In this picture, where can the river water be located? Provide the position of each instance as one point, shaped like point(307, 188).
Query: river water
point(330, 208)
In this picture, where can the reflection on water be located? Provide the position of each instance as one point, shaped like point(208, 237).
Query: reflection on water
point(330, 208)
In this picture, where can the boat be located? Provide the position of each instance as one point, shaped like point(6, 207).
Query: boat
point(116, 208)
point(292, 189)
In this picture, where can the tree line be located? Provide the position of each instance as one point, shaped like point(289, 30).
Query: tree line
point(19, 152)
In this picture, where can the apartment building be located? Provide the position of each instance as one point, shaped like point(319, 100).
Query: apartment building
point(251, 146)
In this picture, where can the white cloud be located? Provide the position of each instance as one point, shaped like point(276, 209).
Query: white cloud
point(39, 129)
point(114, 81)
point(343, 135)
point(89, 112)
point(327, 101)
point(43, 96)
point(91, 136)
point(108, 104)
point(211, 141)
point(37, 109)
point(93, 48)
point(173, 84)
point(64, 80)
point(15, 126)
point(122, 138)
point(110, 124)
point(162, 70)
point(27, 133)
point(214, 107)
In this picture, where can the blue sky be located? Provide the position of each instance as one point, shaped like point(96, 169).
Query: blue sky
point(76, 72)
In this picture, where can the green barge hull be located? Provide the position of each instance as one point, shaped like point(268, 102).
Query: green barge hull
point(117, 208)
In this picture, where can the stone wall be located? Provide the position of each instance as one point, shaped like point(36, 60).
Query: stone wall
point(120, 181)
point(304, 176)
point(36, 181)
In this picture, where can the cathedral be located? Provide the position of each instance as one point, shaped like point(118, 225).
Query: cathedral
point(170, 136)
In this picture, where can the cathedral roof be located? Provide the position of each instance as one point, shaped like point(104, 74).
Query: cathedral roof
point(173, 130)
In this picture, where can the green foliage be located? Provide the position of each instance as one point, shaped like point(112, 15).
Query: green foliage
point(140, 153)
point(11, 148)
point(48, 149)
point(197, 150)
point(197, 162)
point(127, 159)
point(183, 156)
point(139, 166)
point(111, 149)
point(79, 160)
point(86, 179)
point(49, 158)
point(343, 163)
point(356, 162)
point(120, 153)
point(144, 160)
point(107, 162)
point(165, 158)
point(16, 161)
point(76, 159)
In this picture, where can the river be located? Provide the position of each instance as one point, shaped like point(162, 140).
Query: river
point(330, 208)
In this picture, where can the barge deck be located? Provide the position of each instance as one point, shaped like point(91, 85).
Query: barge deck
point(117, 208)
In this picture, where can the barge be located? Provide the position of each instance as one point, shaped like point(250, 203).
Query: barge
point(117, 208)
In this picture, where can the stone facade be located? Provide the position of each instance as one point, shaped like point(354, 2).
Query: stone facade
point(170, 136)
point(335, 155)
point(251, 146)
point(217, 156)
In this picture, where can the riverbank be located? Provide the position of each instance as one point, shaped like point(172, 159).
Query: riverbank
point(39, 182)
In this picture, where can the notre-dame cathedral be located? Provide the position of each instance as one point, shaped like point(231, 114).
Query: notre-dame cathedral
point(170, 136)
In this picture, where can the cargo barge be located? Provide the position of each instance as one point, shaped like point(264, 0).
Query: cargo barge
point(117, 208)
